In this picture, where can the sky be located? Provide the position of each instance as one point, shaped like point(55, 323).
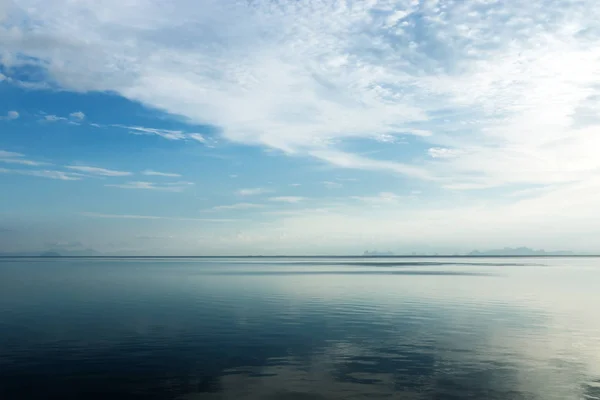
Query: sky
point(299, 127)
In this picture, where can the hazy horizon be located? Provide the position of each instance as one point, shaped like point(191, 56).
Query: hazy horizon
point(504, 252)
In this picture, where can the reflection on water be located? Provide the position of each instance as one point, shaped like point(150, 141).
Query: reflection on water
point(299, 328)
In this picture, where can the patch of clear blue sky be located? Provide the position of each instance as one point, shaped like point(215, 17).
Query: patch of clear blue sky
point(210, 169)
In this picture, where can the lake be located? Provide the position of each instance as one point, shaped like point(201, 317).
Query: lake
point(300, 328)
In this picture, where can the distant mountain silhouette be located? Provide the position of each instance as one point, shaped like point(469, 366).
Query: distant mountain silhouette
point(520, 251)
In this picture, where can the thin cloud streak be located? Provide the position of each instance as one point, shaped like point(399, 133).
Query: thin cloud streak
point(252, 191)
point(237, 206)
point(10, 157)
point(97, 170)
point(169, 134)
point(150, 172)
point(142, 185)
point(51, 174)
point(288, 199)
point(152, 217)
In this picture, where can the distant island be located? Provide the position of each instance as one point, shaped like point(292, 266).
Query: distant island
point(519, 251)
point(505, 252)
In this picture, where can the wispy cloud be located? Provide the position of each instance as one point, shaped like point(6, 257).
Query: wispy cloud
point(169, 134)
point(77, 115)
point(97, 170)
point(347, 160)
point(518, 81)
point(287, 199)
point(252, 191)
point(332, 185)
point(438, 152)
point(54, 118)
point(237, 206)
point(51, 174)
point(381, 198)
point(140, 185)
point(9, 154)
point(197, 137)
point(150, 172)
point(164, 133)
point(10, 115)
point(9, 157)
point(23, 161)
point(152, 217)
point(74, 118)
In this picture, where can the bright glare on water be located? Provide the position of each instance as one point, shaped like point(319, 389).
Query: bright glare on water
point(292, 328)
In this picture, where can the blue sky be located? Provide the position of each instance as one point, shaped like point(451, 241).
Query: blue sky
point(296, 127)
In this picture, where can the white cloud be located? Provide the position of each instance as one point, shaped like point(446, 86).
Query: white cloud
point(150, 172)
point(164, 133)
point(305, 79)
point(77, 115)
point(51, 174)
point(332, 185)
point(22, 161)
point(252, 191)
point(475, 224)
point(141, 185)
point(74, 118)
point(152, 217)
point(438, 152)
point(11, 115)
point(237, 206)
point(169, 134)
point(179, 183)
point(9, 157)
point(9, 154)
point(287, 199)
point(197, 137)
point(98, 171)
point(381, 198)
point(347, 160)
point(490, 93)
point(54, 118)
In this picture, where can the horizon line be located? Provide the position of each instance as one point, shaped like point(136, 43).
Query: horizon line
point(314, 256)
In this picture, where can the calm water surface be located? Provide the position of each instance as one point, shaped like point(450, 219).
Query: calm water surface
point(356, 328)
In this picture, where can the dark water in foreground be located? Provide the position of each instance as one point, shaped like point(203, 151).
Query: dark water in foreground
point(300, 328)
